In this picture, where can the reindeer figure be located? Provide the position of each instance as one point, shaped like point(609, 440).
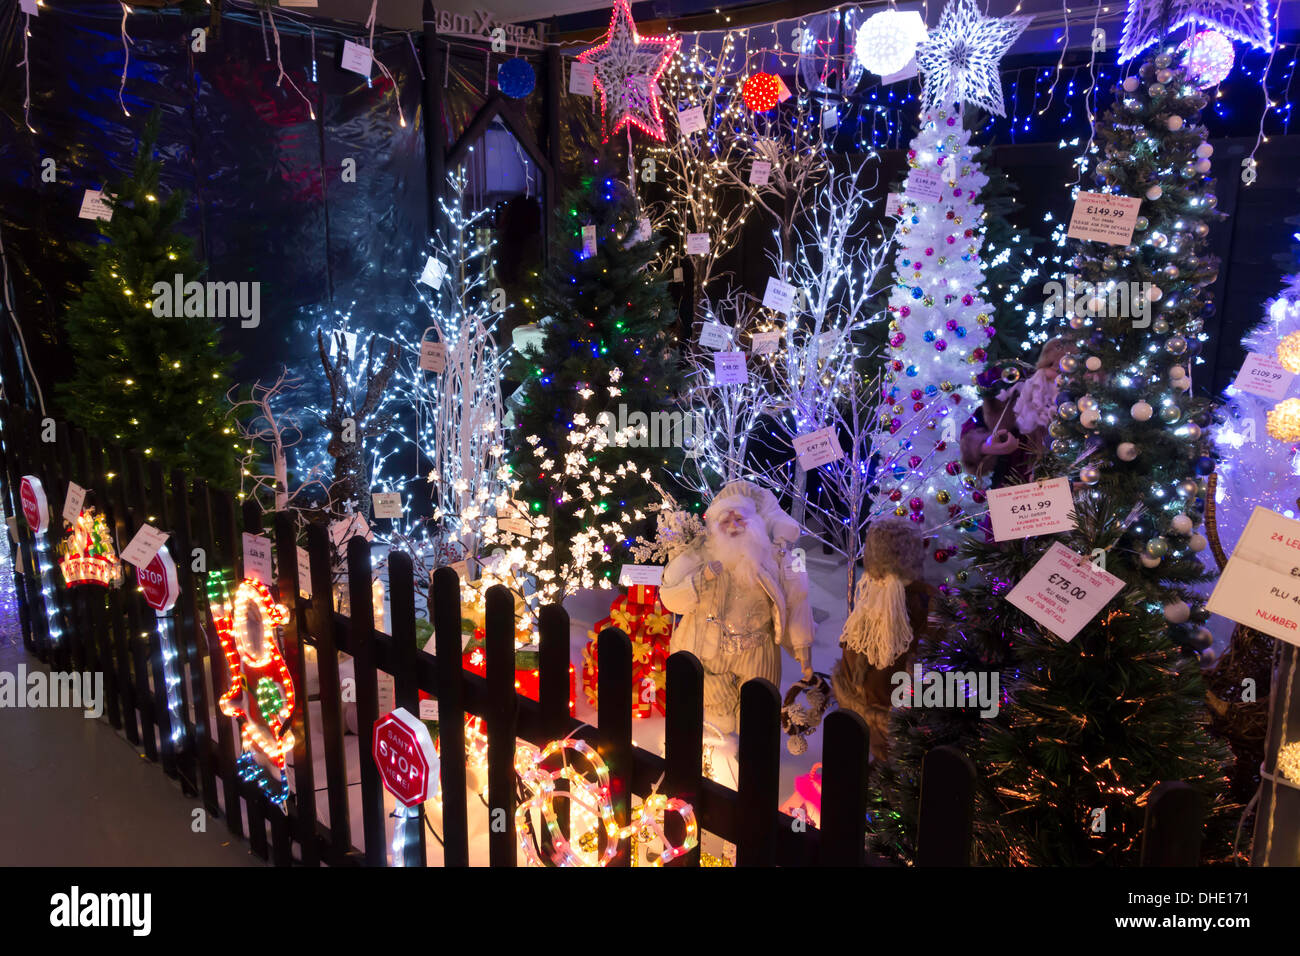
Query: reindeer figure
point(356, 413)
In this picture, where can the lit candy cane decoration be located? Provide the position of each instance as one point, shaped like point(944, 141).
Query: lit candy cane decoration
point(263, 708)
point(594, 798)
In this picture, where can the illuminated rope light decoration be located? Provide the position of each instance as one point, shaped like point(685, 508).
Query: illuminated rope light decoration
point(627, 67)
point(261, 695)
point(36, 512)
point(1145, 22)
point(593, 797)
point(887, 42)
point(87, 552)
point(762, 92)
point(1209, 58)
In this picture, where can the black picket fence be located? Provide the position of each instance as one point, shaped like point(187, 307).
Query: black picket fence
point(114, 631)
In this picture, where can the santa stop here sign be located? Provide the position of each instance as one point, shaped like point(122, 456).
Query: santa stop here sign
point(404, 754)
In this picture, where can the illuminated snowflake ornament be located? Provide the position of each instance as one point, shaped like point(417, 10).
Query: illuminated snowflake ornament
point(960, 57)
point(887, 42)
point(1145, 22)
point(1209, 58)
point(627, 68)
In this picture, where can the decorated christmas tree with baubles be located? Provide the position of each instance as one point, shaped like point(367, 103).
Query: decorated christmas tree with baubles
point(939, 326)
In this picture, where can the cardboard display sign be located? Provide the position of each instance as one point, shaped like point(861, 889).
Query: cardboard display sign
point(1260, 587)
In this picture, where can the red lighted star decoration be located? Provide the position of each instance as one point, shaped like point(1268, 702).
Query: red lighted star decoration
point(627, 66)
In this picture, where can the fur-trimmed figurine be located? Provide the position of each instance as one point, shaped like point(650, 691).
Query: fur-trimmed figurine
point(1009, 431)
point(890, 610)
point(740, 599)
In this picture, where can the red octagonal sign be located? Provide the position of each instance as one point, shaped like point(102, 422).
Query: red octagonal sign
point(158, 581)
point(404, 754)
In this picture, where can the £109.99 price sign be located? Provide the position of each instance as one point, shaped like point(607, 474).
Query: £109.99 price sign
point(1064, 591)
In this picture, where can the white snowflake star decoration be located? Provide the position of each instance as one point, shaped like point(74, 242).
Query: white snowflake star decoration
point(627, 66)
point(961, 55)
point(1244, 20)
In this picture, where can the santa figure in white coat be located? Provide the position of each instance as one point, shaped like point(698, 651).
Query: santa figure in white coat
point(740, 598)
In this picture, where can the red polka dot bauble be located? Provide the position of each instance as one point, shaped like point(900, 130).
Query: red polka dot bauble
point(762, 92)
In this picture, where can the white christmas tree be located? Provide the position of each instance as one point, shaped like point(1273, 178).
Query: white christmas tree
point(1259, 441)
point(938, 328)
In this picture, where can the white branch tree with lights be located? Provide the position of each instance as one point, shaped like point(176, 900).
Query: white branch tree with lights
point(261, 421)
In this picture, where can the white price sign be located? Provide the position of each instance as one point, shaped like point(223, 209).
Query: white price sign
point(582, 78)
point(1039, 507)
point(894, 205)
point(760, 172)
point(925, 186)
point(1260, 587)
point(433, 356)
point(588, 241)
point(632, 575)
point(714, 336)
point(304, 572)
point(779, 296)
point(826, 343)
point(729, 368)
point(386, 504)
point(345, 529)
point(429, 708)
point(257, 558)
point(691, 120)
point(356, 58)
point(73, 502)
point(697, 243)
point(817, 448)
point(1264, 375)
point(1064, 591)
point(94, 207)
point(144, 546)
point(433, 273)
point(764, 343)
point(1102, 217)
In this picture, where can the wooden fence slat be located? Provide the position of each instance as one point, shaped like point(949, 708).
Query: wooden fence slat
point(362, 624)
point(250, 520)
point(502, 714)
point(844, 789)
point(614, 721)
point(295, 654)
point(553, 692)
point(1173, 828)
point(321, 622)
point(946, 815)
point(406, 687)
point(192, 645)
point(683, 743)
point(759, 777)
point(444, 605)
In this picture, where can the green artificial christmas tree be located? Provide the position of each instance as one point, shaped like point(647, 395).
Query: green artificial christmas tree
point(604, 311)
point(153, 383)
point(1087, 728)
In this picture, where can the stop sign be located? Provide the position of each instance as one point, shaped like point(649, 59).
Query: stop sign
point(158, 581)
point(403, 752)
point(35, 507)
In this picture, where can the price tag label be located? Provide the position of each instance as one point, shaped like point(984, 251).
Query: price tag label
point(1039, 507)
point(827, 343)
point(588, 241)
point(729, 368)
point(1064, 591)
point(144, 546)
point(690, 120)
point(764, 343)
point(760, 172)
point(677, 274)
point(428, 709)
point(434, 272)
point(94, 207)
point(356, 58)
point(924, 185)
point(433, 356)
point(894, 205)
point(714, 336)
point(1264, 375)
point(697, 244)
point(632, 575)
point(1102, 217)
point(29, 7)
point(345, 529)
point(782, 91)
point(73, 502)
point(386, 504)
point(582, 78)
point(513, 517)
point(817, 448)
point(779, 295)
point(257, 558)
point(304, 572)
point(830, 117)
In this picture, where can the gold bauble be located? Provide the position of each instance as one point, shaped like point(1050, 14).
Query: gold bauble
point(942, 497)
point(1284, 420)
point(1288, 352)
point(946, 386)
point(897, 409)
point(982, 318)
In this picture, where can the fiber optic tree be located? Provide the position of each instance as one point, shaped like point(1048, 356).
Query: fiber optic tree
point(152, 383)
point(938, 330)
point(603, 311)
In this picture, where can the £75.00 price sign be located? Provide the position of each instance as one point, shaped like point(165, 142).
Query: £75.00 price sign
point(1064, 591)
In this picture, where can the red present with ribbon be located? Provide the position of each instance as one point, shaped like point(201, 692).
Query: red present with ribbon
point(649, 626)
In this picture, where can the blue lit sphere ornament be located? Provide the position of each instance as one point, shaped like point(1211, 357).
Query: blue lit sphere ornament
point(515, 78)
point(1209, 58)
point(1204, 465)
point(917, 292)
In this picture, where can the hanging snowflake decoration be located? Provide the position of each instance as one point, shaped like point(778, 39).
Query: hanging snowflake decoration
point(1209, 58)
point(960, 57)
point(887, 42)
point(1145, 24)
point(627, 68)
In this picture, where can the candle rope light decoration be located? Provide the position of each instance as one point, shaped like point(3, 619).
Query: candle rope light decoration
point(280, 65)
point(261, 696)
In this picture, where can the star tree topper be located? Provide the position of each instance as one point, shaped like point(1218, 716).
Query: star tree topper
point(627, 66)
point(961, 55)
point(1243, 20)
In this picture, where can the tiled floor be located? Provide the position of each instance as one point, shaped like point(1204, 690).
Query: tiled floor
point(73, 792)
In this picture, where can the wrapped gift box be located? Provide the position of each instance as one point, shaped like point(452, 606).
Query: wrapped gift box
point(649, 625)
